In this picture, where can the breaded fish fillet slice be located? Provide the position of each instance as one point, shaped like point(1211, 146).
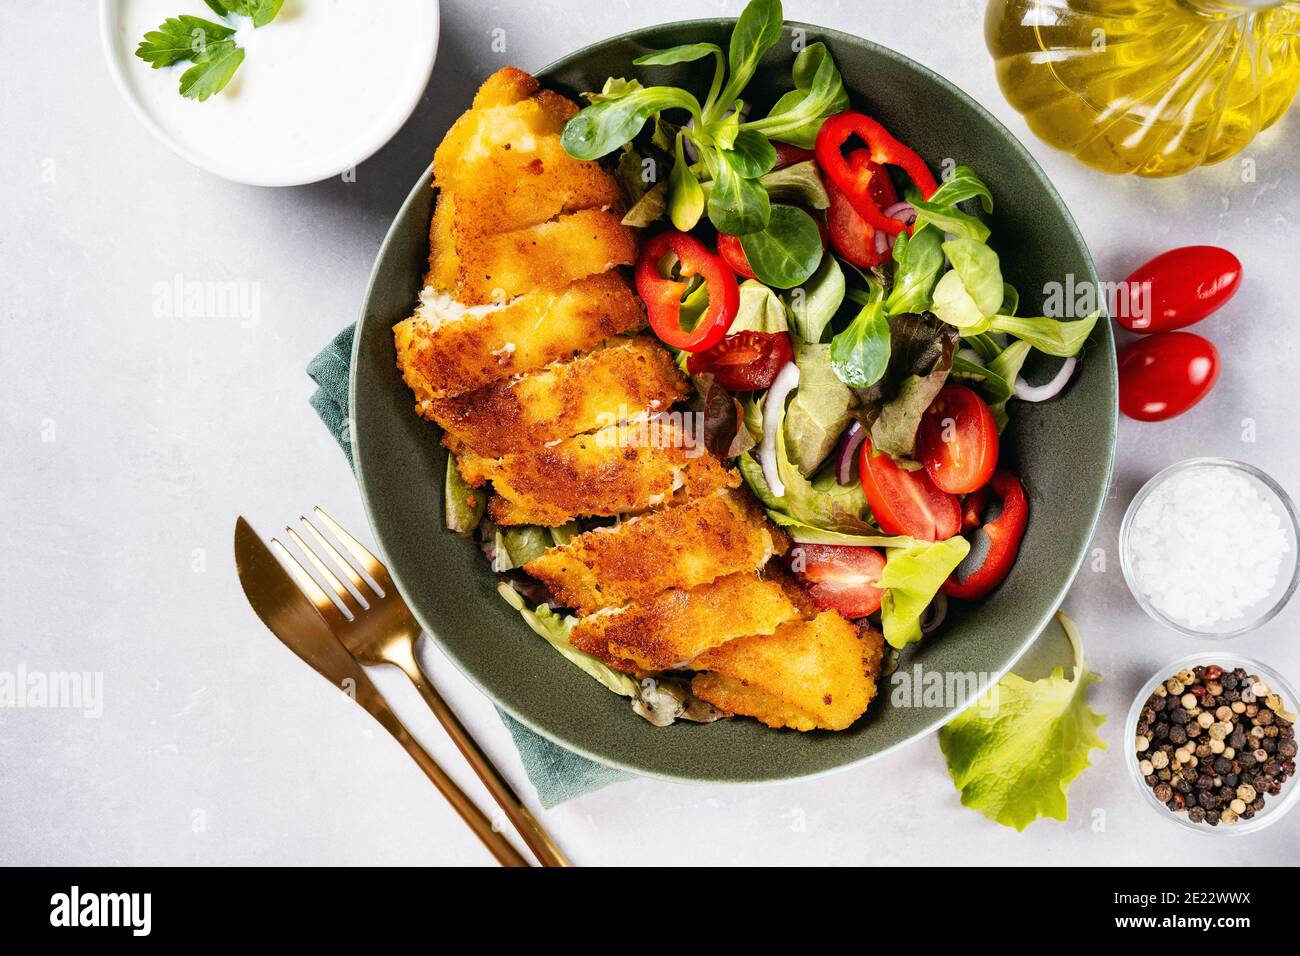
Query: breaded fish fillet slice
point(680, 547)
point(616, 471)
point(601, 388)
point(546, 256)
point(441, 355)
point(444, 264)
point(508, 170)
point(675, 627)
point(809, 674)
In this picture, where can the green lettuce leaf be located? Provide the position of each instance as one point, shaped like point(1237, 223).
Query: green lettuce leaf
point(819, 411)
point(798, 185)
point(555, 629)
point(921, 353)
point(760, 310)
point(1015, 764)
point(519, 544)
point(463, 506)
point(912, 577)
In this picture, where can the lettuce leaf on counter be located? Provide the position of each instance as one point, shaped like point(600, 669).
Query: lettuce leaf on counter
point(1014, 760)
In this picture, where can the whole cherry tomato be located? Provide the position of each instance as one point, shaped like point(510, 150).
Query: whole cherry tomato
point(1164, 375)
point(958, 441)
point(1178, 288)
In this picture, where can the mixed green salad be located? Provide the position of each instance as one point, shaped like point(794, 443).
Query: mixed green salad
point(854, 345)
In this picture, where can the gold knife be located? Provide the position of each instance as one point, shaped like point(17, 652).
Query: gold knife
point(292, 618)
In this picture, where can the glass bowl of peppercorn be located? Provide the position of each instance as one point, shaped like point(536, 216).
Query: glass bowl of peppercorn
point(1213, 743)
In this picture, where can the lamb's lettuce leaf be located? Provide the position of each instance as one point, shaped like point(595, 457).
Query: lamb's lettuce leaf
point(972, 291)
point(918, 260)
point(814, 304)
point(1053, 336)
point(860, 353)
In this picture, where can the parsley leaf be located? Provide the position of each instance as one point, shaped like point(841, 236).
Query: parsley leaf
point(209, 46)
point(1012, 755)
point(182, 38)
point(211, 74)
point(261, 12)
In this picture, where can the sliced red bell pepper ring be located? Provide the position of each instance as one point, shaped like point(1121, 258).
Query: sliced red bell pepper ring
point(663, 296)
point(852, 236)
point(884, 150)
point(1005, 533)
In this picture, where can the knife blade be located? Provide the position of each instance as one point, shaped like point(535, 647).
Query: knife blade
point(294, 620)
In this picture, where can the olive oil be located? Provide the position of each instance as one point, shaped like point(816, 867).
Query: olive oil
point(1152, 87)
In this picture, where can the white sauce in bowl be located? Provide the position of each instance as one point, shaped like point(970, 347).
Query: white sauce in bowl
point(321, 87)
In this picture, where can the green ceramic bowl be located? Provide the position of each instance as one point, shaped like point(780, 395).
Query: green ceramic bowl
point(1062, 449)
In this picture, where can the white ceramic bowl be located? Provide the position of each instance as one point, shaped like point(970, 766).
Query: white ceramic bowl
point(312, 165)
point(1288, 576)
point(1275, 807)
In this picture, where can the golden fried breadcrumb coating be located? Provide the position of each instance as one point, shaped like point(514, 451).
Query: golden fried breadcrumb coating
point(676, 626)
point(444, 356)
point(619, 381)
point(615, 471)
point(680, 547)
point(818, 674)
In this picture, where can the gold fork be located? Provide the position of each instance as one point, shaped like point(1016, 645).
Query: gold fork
point(379, 628)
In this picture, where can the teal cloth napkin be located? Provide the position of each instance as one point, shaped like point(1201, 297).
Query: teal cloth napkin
point(557, 773)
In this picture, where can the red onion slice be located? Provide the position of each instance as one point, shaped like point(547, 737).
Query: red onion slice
point(846, 451)
point(933, 616)
point(786, 381)
point(881, 241)
point(1041, 393)
point(904, 212)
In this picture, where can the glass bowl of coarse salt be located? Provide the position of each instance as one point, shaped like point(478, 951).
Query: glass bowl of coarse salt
point(1208, 547)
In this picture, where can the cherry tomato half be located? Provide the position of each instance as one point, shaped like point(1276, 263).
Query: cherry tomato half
point(733, 253)
point(1164, 375)
point(852, 236)
point(958, 441)
point(1178, 288)
point(907, 502)
point(744, 361)
point(840, 577)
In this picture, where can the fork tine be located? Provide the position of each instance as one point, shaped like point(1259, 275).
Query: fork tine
point(307, 584)
point(371, 564)
point(346, 597)
point(332, 552)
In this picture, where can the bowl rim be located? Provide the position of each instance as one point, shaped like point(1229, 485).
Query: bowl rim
point(109, 10)
point(1281, 805)
point(1012, 143)
point(1154, 482)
